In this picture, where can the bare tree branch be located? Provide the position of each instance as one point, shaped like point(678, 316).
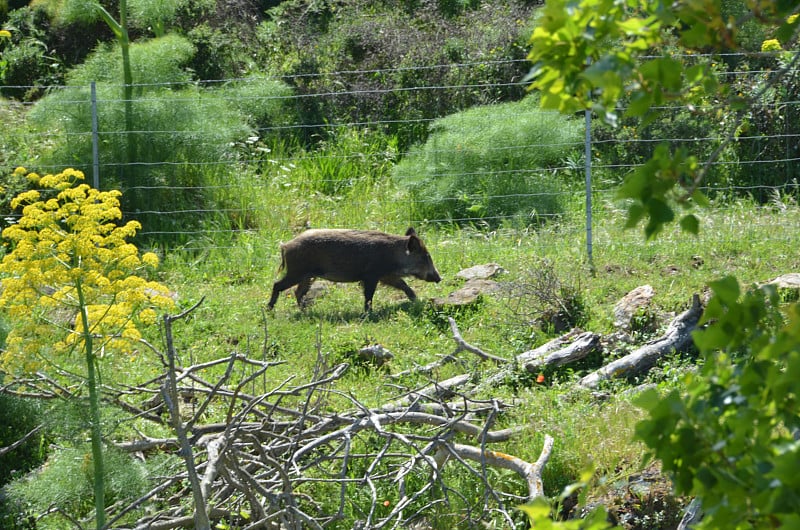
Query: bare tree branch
point(21, 441)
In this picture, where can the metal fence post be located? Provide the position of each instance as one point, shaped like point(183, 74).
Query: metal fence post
point(588, 164)
point(95, 141)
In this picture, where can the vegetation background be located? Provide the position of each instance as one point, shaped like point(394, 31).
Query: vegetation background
point(250, 120)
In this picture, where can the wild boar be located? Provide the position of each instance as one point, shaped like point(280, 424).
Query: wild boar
point(365, 256)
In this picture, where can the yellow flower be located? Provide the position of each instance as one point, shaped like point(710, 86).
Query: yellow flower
point(20, 171)
point(25, 197)
point(5, 34)
point(148, 316)
point(792, 19)
point(150, 259)
point(771, 45)
point(69, 255)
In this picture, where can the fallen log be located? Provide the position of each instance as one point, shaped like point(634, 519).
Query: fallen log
point(549, 347)
point(677, 338)
point(582, 345)
point(572, 346)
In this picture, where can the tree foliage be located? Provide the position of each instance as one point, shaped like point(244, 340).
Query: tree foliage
point(594, 54)
point(730, 438)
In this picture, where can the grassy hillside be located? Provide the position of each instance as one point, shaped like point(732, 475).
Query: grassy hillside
point(739, 240)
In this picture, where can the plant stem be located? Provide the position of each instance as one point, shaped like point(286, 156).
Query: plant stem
point(94, 407)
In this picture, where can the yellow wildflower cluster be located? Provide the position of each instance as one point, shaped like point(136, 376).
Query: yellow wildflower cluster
point(70, 256)
point(771, 45)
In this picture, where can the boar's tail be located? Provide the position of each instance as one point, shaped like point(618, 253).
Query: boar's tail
point(283, 259)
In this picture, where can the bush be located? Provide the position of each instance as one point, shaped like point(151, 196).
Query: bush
point(374, 68)
point(66, 483)
point(491, 163)
point(347, 163)
point(218, 56)
point(265, 104)
point(177, 151)
point(18, 417)
point(27, 57)
point(763, 134)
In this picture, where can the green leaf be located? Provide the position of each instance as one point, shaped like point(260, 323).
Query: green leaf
point(690, 224)
point(727, 290)
point(711, 338)
point(663, 72)
point(696, 35)
point(538, 511)
point(787, 31)
point(636, 186)
point(700, 199)
point(695, 73)
point(660, 214)
point(648, 399)
point(635, 214)
point(640, 103)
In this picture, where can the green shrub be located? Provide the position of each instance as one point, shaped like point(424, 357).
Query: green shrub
point(266, 104)
point(769, 131)
point(218, 56)
point(491, 163)
point(760, 157)
point(18, 417)
point(66, 483)
point(27, 57)
point(161, 60)
point(632, 143)
point(375, 69)
point(348, 162)
point(180, 136)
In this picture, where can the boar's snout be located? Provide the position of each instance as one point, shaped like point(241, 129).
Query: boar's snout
point(433, 276)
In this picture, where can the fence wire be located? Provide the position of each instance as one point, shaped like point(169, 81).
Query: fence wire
point(769, 152)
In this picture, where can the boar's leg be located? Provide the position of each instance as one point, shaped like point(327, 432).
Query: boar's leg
point(302, 290)
point(281, 285)
point(398, 283)
point(369, 292)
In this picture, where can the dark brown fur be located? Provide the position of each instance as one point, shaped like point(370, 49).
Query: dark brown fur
point(365, 256)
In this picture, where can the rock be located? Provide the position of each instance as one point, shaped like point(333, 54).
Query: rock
point(640, 499)
point(316, 291)
point(632, 302)
point(468, 293)
point(376, 354)
point(786, 281)
point(481, 272)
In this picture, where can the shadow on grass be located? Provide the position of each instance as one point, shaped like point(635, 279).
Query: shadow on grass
point(383, 312)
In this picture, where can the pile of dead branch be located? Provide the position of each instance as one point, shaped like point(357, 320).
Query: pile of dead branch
point(256, 468)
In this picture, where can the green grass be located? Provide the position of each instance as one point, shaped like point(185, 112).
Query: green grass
point(752, 243)
point(345, 182)
point(235, 277)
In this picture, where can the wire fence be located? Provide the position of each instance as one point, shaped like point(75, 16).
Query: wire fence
point(761, 160)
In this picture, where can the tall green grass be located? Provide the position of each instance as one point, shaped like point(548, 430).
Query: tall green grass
point(491, 163)
point(177, 163)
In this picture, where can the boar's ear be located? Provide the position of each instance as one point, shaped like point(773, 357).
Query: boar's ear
point(414, 244)
point(411, 231)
